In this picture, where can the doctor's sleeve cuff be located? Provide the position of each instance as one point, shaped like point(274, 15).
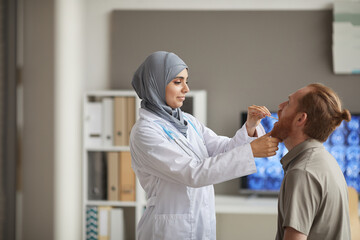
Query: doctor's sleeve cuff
point(243, 158)
point(241, 137)
point(260, 130)
point(248, 165)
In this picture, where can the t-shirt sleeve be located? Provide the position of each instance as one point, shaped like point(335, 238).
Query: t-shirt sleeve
point(301, 200)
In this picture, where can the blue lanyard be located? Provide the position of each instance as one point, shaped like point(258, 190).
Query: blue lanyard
point(168, 132)
point(188, 120)
point(177, 140)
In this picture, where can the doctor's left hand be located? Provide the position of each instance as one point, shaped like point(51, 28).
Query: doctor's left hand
point(254, 116)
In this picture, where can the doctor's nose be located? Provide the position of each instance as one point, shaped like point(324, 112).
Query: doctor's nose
point(185, 88)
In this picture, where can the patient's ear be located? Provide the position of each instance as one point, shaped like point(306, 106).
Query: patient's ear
point(301, 119)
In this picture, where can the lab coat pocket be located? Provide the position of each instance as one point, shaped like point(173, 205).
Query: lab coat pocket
point(172, 226)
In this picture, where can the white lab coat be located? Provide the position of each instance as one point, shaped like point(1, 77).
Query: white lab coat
point(178, 180)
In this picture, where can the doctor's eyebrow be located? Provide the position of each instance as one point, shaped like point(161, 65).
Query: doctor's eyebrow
point(181, 78)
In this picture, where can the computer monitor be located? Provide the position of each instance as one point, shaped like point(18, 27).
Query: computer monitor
point(343, 144)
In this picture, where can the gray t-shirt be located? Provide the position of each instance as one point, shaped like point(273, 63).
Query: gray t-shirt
point(313, 197)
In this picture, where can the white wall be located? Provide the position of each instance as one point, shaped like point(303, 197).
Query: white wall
point(98, 24)
point(68, 80)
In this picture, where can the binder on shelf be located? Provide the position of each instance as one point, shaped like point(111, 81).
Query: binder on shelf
point(120, 121)
point(104, 222)
point(112, 177)
point(117, 229)
point(108, 118)
point(127, 178)
point(96, 176)
point(93, 124)
point(130, 117)
point(91, 223)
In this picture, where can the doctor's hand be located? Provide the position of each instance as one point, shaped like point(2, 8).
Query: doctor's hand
point(254, 116)
point(265, 146)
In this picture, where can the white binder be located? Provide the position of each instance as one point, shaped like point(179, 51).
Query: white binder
point(108, 122)
point(93, 124)
point(117, 229)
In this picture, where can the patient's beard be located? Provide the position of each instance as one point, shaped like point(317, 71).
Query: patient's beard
point(282, 128)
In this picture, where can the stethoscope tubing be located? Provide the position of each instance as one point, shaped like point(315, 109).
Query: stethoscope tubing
point(176, 139)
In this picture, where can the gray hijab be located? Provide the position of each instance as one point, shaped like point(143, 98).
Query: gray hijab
point(150, 81)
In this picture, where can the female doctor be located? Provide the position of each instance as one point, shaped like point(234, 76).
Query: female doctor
point(177, 159)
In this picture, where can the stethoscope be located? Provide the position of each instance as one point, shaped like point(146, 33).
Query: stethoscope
point(177, 139)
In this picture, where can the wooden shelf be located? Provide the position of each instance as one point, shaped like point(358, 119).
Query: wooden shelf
point(245, 205)
point(110, 203)
point(226, 204)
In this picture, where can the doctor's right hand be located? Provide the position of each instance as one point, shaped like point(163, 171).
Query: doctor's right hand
point(265, 146)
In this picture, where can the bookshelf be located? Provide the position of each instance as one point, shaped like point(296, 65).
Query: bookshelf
point(104, 146)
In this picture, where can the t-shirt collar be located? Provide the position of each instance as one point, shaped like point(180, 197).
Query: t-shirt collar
point(293, 153)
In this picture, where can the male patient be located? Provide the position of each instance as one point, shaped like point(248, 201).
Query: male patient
point(313, 199)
